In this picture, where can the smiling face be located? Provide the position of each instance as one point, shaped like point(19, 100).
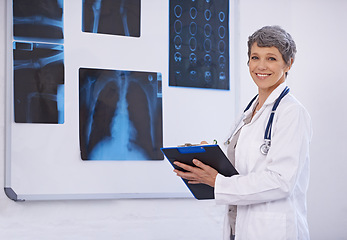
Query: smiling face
point(267, 68)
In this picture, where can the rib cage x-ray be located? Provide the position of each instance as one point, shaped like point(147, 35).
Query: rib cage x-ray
point(117, 17)
point(120, 115)
point(38, 20)
point(38, 82)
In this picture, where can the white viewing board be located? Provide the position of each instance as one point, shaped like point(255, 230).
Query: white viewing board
point(43, 160)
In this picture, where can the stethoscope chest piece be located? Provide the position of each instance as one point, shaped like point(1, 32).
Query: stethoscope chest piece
point(264, 148)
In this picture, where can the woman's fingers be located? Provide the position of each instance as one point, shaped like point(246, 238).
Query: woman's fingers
point(185, 175)
point(199, 164)
point(202, 173)
point(184, 166)
point(190, 174)
point(203, 166)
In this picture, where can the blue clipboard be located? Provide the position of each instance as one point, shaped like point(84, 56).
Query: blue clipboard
point(210, 155)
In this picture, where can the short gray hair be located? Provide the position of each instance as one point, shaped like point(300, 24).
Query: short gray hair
point(274, 36)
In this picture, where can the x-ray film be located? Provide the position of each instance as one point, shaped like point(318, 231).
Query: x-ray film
point(120, 115)
point(38, 82)
point(199, 44)
point(38, 20)
point(116, 17)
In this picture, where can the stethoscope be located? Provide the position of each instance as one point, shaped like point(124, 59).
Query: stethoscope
point(264, 148)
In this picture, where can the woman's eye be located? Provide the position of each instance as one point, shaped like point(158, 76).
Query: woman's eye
point(254, 57)
point(272, 59)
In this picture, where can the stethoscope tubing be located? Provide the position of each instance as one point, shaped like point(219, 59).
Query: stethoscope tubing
point(268, 129)
point(264, 148)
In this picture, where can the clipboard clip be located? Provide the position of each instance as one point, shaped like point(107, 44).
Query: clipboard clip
point(189, 145)
point(196, 144)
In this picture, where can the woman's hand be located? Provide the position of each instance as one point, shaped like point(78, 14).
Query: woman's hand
point(202, 173)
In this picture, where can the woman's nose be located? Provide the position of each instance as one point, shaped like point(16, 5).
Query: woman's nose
point(262, 65)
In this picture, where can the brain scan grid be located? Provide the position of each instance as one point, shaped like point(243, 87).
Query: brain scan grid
point(199, 44)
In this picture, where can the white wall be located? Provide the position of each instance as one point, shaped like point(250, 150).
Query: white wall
point(316, 79)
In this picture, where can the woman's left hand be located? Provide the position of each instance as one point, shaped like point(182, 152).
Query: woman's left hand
point(202, 173)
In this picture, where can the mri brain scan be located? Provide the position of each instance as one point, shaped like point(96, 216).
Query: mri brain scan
point(199, 44)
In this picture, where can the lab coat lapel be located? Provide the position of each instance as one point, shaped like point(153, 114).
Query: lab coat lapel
point(269, 101)
point(275, 94)
point(247, 114)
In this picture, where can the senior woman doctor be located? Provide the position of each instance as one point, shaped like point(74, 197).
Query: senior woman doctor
point(268, 197)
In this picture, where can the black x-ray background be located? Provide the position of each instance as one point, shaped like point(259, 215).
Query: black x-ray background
point(116, 17)
point(38, 82)
point(38, 20)
point(199, 44)
point(38, 61)
point(120, 115)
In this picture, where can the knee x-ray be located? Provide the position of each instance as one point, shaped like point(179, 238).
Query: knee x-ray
point(117, 17)
point(199, 44)
point(120, 115)
point(38, 82)
point(38, 20)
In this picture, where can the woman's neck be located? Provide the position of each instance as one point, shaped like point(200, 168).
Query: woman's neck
point(263, 95)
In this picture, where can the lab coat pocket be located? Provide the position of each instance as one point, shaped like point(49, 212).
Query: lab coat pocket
point(267, 225)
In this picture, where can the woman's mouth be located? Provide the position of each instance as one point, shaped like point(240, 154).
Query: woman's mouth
point(262, 74)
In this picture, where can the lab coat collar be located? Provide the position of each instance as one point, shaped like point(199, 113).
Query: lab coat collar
point(270, 100)
point(275, 94)
point(246, 116)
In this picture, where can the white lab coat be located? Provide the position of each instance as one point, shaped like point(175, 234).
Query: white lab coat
point(270, 190)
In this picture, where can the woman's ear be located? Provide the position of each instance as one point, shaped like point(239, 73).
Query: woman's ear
point(289, 66)
point(291, 63)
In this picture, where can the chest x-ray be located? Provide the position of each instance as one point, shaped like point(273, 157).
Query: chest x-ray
point(117, 17)
point(199, 44)
point(120, 115)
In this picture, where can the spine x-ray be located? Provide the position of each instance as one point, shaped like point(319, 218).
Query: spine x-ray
point(116, 17)
point(120, 115)
point(199, 44)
